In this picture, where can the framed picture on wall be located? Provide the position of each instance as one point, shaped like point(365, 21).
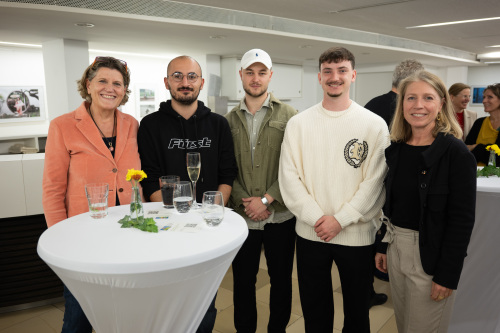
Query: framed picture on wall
point(21, 103)
point(146, 100)
point(477, 95)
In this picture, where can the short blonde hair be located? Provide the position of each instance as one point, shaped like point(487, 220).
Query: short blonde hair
point(104, 62)
point(448, 124)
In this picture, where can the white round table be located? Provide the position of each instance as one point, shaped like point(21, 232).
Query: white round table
point(127, 280)
point(477, 304)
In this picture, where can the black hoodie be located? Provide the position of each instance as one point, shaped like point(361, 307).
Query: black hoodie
point(165, 137)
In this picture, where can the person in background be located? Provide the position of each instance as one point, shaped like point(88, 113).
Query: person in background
point(385, 105)
point(485, 130)
point(181, 125)
point(96, 143)
point(258, 125)
point(331, 175)
point(430, 206)
point(460, 98)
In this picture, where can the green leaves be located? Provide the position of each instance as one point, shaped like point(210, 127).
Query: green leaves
point(488, 170)
point(135, 206)
point(141, 223)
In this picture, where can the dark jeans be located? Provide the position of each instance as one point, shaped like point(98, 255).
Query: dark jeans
point(279, 245)
point(74, 320)
point(208, 321)
point(314, 269)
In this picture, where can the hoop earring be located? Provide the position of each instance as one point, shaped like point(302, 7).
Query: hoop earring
point(438, 118)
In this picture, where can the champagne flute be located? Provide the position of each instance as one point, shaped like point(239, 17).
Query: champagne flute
point(193, 162)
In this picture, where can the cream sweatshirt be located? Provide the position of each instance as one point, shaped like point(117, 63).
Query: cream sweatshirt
point(333, 163)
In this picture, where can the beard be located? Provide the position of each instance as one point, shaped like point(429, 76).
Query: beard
point(184, 99)
point(258, 94)
point(334, 95)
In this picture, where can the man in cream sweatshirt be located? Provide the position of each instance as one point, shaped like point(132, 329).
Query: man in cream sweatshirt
point(331, 175)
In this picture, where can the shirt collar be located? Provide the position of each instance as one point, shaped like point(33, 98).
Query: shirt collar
point(244, 107)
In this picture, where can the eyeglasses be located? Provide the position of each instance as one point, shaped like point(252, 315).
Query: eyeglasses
point(108, 59)
point(178, 77)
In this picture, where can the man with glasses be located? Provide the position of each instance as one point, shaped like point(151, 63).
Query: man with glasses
point(332, 169)
point(184, 124)
point(258, 125)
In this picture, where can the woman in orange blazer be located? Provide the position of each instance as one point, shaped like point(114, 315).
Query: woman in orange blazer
point(96, 143)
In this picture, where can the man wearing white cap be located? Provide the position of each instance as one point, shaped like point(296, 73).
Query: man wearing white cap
point(258, 125)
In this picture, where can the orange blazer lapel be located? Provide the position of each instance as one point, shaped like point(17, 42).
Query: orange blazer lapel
point(122, 134)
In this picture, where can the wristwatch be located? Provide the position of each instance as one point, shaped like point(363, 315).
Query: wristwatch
point(264, 201)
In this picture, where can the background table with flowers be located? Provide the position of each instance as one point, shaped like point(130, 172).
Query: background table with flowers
point(477, 304)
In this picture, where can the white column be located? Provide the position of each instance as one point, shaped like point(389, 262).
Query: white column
point(64, 62)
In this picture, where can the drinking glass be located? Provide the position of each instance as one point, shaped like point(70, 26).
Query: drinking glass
point(212, 208)
point(193, 162)
point(97, 196)
point(167, 190)
point(183, 196)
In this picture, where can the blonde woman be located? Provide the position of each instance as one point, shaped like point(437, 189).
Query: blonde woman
point(430, 205)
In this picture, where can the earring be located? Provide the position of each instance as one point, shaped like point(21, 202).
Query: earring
point(438, 118)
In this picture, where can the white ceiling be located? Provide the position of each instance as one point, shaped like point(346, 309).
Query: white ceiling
point(295, 31)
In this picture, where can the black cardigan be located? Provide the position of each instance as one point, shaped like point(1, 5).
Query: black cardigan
point(480, 152)
point(447, 190)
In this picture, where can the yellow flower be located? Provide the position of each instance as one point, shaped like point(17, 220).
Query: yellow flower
point(136, 175)
point(494, 148)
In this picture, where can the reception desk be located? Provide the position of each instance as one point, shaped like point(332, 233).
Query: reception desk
point(127, 280)
point(477, 304)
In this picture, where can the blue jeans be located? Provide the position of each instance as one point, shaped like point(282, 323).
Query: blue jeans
point(74, 320)
point(208, 322)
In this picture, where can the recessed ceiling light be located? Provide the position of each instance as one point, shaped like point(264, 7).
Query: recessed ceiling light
point(454, 22)
point(489, 55)
point(493, 46)
point(218, 37)
point(20, 44)
point(492, 62)
point(85, 24)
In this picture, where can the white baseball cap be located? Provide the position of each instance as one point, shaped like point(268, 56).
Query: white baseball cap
point(256, 55)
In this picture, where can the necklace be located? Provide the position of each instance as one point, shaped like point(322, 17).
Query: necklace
point(109, 142)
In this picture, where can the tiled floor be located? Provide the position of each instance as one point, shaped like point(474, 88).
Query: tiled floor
point(48, 319)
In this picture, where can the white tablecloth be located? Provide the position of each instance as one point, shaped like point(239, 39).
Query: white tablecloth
point(127, 280)
point(477, 304)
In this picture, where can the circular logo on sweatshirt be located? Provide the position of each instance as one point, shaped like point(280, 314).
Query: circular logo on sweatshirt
point(355, 152)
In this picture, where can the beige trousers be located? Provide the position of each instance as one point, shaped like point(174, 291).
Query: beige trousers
point(414, 308)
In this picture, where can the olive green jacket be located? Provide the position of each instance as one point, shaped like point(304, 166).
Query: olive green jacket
point(263, 176)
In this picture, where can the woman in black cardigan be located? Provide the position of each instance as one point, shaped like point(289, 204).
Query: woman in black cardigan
point(430, 205)
point(485, 130)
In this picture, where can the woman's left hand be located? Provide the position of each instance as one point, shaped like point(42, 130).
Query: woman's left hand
point(438, 292)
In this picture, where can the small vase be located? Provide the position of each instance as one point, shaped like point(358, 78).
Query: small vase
point(136, 208)
point(493, 159)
